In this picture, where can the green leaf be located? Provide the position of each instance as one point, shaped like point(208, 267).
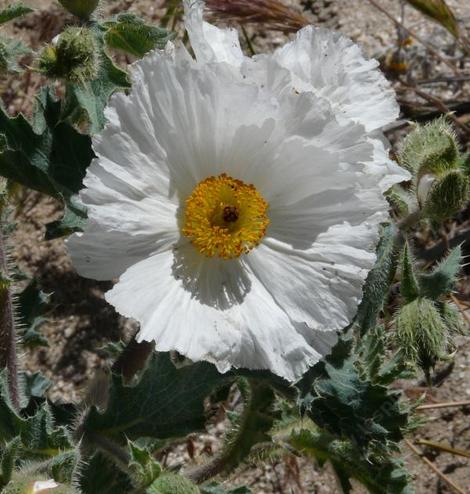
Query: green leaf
point(408, 285)
point(130, 34)
point(73, 220)
point(34, 386)
point(48, 155)
point(14, 11)
point(8, 457)
point(10, 421)
point(378, 281)
point(100, 475)
point(166, 402)
point(443, 277)
point(80, 8)
point(32, 303)
point(439, 11)
point(343, 401)
point(145, 468)
point(379, 476)
point(10, 51)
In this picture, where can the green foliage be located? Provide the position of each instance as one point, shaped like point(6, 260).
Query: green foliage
point(166, 402)
point(100, 475)
point(378, 281)
point(35, 436)
point(144, 467)
point(384, 476)
point(8, 458)
point(439, 11)
point(441, 280)
point(81, 8)
point(342, 400)
point(130, 34)
point(32, 303)
point(170, 483)
point(252, 426)
point(49, 155)
point(10, 51)
point(13, 11)
point(73, 58)
point(409, 284)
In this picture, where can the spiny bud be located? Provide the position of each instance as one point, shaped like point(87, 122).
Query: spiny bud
point(80, 8)
point(170, 483)
point(431, 149)
point(73, 57)
point(34, 483)
point(443, 196)
point(421, 332)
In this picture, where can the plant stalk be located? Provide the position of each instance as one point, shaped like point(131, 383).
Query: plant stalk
point(8, 343)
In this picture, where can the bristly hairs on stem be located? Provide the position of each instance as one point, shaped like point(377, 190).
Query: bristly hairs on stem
point(273, 14)
point(8, 319)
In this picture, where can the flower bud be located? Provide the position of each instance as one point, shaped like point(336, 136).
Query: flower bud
point(442, 197)
point(170, 483)
point(430, 149)
point(80, 8)
point(421, 332)
point(73, 56)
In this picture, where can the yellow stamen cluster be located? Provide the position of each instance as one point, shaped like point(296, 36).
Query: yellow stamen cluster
point(225, 217)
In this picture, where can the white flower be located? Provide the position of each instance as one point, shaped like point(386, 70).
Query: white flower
point(238, 199)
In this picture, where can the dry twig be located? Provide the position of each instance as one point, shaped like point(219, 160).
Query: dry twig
point(433, 467)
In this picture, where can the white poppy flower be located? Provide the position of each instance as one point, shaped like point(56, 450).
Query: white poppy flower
point(238, 199)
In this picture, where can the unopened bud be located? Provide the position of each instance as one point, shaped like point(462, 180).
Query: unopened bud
point(80, 8)
point(431, 148)
point(170, 483)
point(73, 56)
point(421, 332)
point(442, 197)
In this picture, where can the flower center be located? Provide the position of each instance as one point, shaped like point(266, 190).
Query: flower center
point(225, 217)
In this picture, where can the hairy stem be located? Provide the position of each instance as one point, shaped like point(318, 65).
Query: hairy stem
point(8, 349)
point(255, 421)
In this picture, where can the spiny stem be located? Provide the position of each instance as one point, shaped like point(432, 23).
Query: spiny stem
point(8, 349)
point(259, 399)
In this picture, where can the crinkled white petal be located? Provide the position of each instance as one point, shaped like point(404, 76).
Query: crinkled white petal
point(214, 310)
point(210, 44)
point(320, 286)
point(332, 66)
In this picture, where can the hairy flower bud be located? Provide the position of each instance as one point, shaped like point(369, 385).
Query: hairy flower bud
point(430, 149)
point(34, 483)
point(80, 8)
point(73, 56)
point(445, 195)
point(421, 332)
point(169, 483)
